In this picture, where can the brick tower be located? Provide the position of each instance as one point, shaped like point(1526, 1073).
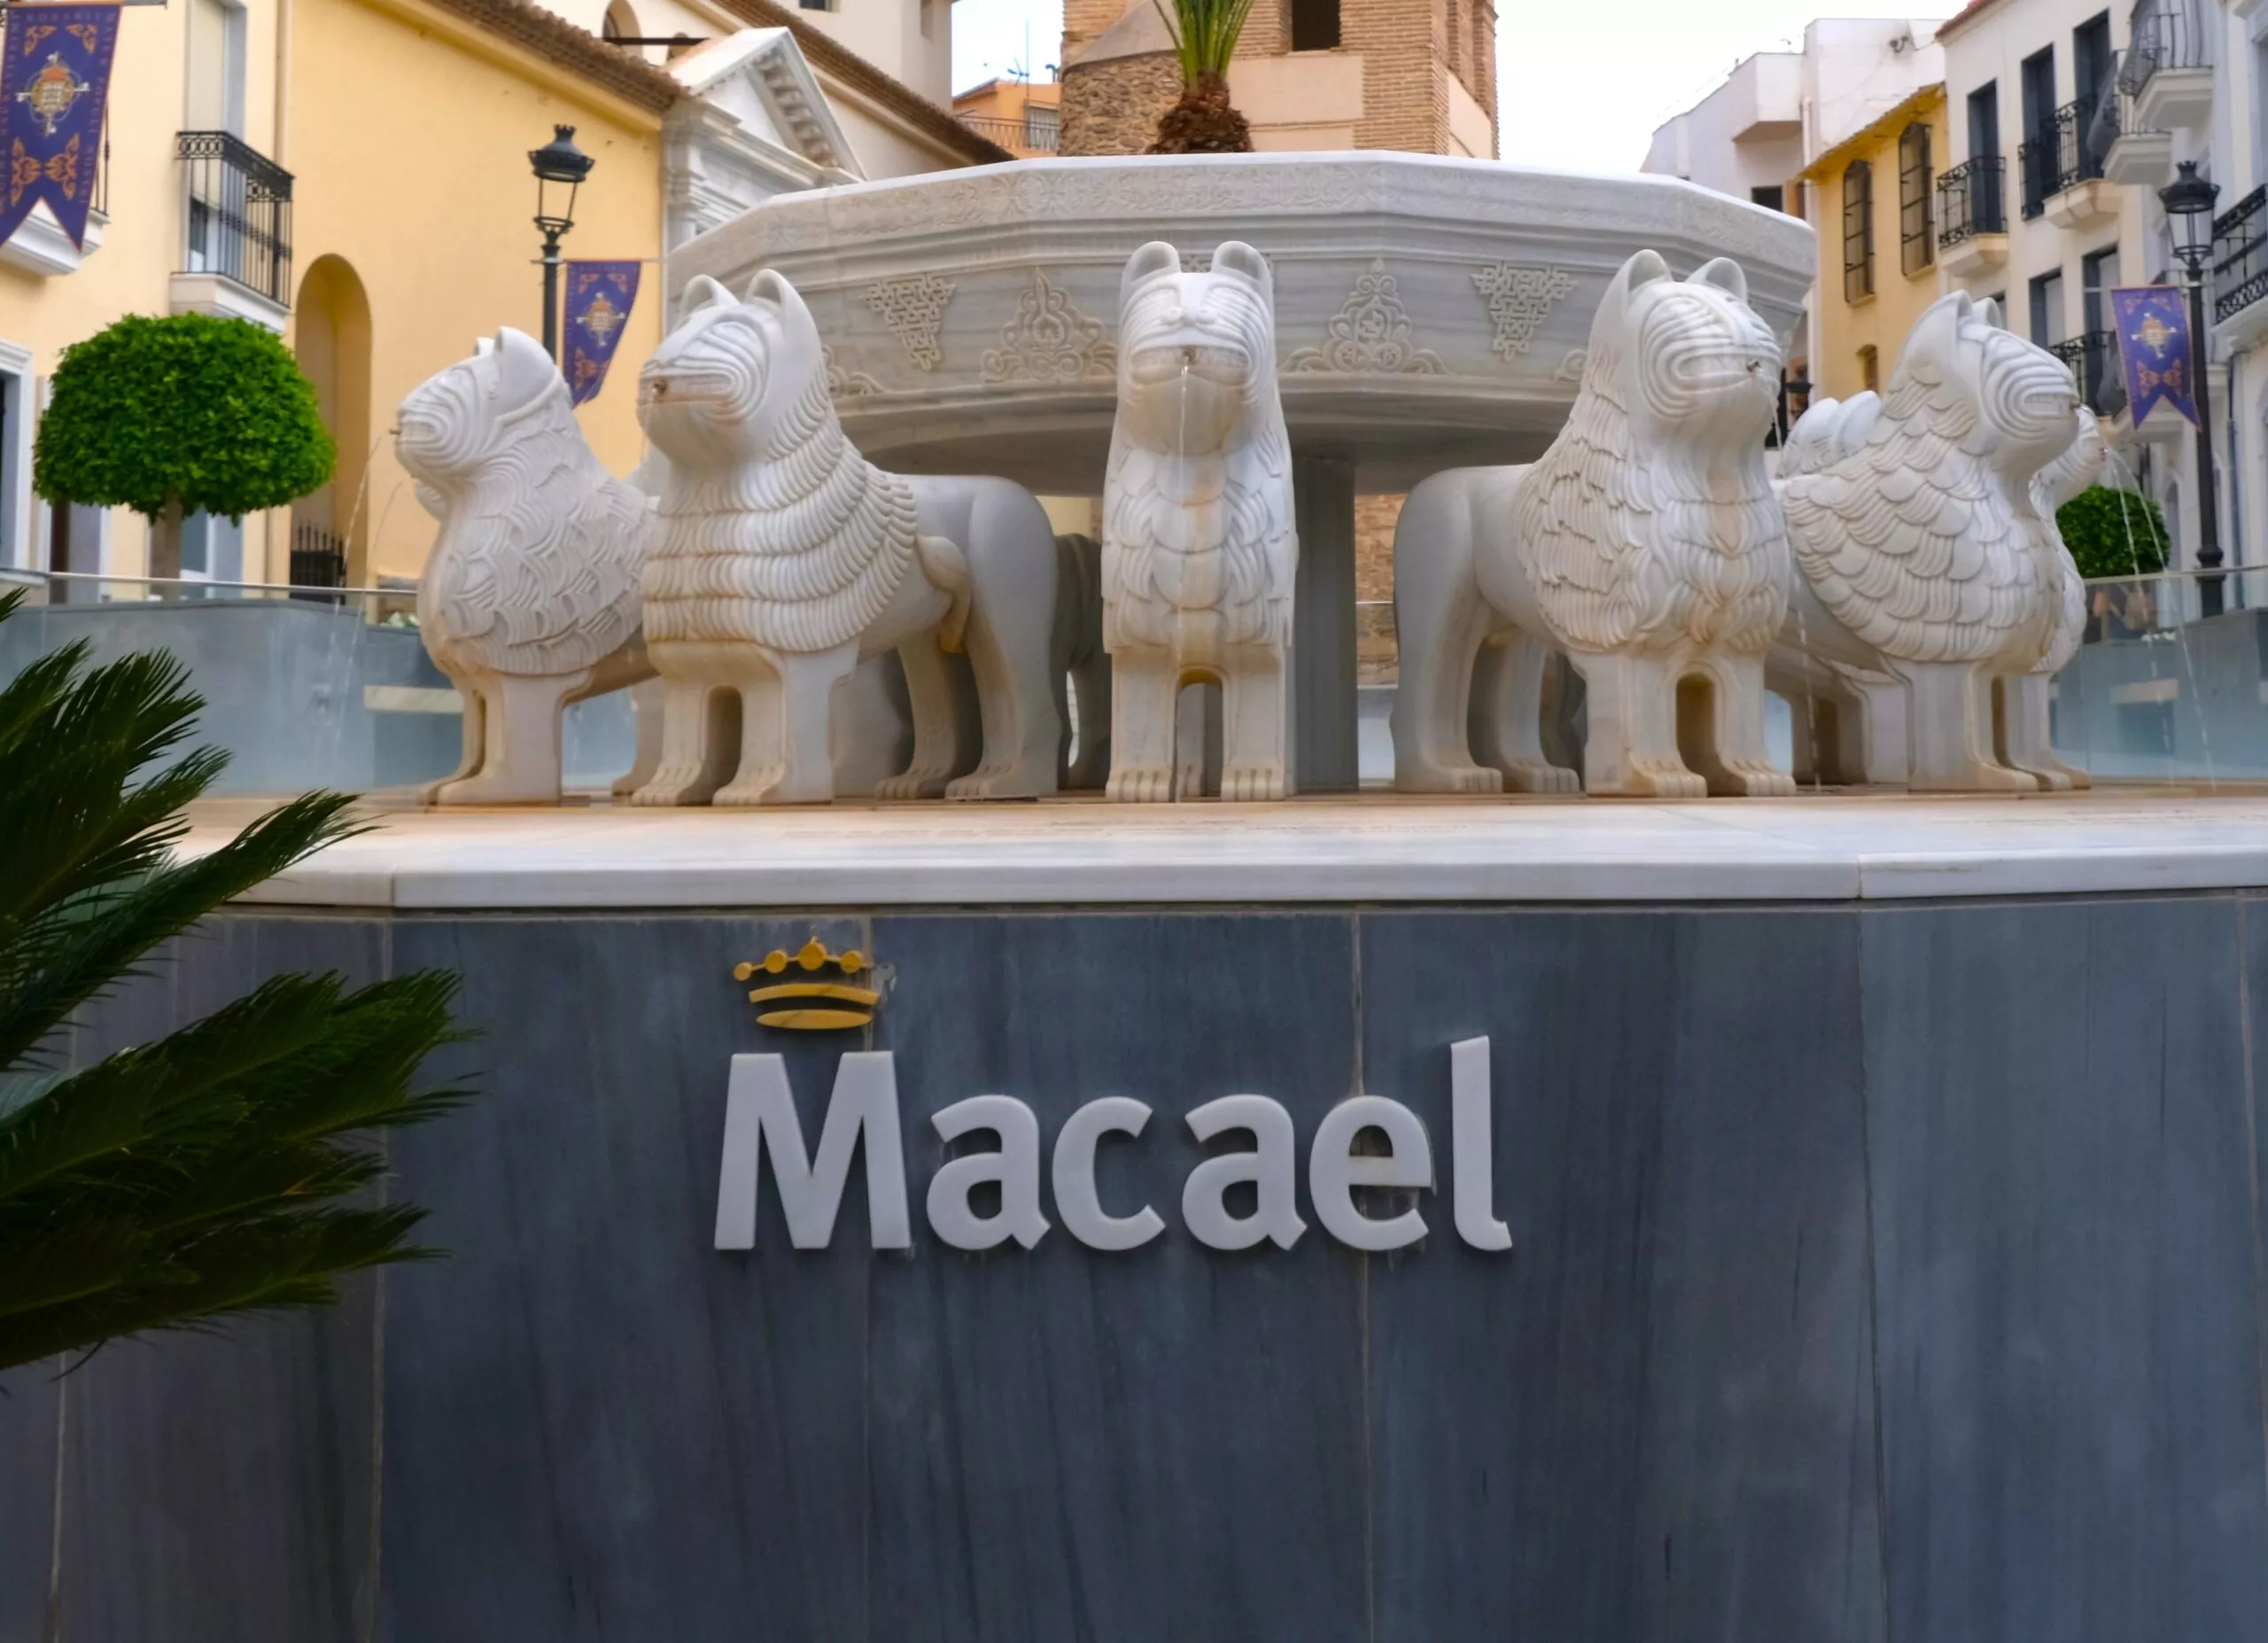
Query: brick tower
point(1418, 76)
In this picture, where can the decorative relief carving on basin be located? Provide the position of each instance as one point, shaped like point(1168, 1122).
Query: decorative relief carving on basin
point(1050, 340)
point(1371, 333)
point(914, 308)
point(1427, 307)
point(1518, 301)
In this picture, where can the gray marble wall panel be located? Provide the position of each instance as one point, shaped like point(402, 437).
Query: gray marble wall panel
point(596, 1425)
point(2071, 1417)
point(31, 1405)
point(1164, 1443)
point(218, 1490)
point(1654, 1417)
point(1697, 1400)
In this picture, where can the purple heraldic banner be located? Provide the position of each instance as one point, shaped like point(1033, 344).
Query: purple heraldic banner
point(599, 296)
point(54, 87)
point(2153, 342)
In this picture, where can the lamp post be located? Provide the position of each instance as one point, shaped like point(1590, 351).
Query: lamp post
point(559, 165)
point(2188, 201)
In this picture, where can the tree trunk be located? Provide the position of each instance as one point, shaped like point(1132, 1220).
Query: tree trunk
point(165, 548)
point(1202, 123)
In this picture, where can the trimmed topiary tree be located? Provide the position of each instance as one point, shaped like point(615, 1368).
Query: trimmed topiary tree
point(181, 415)
point(2113, 532)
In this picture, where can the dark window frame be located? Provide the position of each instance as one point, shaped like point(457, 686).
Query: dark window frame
point(1858, 232)
point(1317, 26)
point(1917, 240)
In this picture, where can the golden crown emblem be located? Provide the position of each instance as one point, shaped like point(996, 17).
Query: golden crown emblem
point(841, 1004)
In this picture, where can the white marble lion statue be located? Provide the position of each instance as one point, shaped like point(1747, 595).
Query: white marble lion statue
point(779, 557)
point(1848, 722)
point(530, 599)
point(1199, 549)
point(1646, 544)
point(1923, 553)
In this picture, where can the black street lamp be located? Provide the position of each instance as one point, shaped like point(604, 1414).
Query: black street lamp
point(2188, 201)
point(559, 168)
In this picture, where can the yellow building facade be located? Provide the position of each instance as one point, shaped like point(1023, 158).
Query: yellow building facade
point(1873, 200)
point(397, 279)
point(353, 175)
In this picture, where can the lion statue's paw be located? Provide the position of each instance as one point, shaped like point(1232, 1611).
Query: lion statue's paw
point(1757, 780)
point(1143, 785)
point(925, 782)
point(1531, 778)
point(674, 785)
point(1247, 784)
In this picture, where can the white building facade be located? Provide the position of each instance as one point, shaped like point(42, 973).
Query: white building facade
point(2068, 117)
point(1777, 112)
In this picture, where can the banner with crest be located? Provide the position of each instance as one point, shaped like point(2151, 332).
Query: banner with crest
point(599, 296)
point(54, 86)
point(2153, 347)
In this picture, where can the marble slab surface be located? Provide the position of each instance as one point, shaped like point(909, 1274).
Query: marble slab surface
point(1374, 848)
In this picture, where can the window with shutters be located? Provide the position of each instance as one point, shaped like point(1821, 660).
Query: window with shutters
point(1917, 239)
point(1858, 232)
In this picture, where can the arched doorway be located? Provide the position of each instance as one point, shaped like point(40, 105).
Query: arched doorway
point(331, 337)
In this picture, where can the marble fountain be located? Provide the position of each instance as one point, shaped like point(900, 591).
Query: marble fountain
point(1480, 1211)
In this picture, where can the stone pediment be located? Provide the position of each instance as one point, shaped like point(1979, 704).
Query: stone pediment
point(759, 77)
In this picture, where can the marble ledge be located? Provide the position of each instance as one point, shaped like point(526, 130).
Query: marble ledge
point(1823, 849)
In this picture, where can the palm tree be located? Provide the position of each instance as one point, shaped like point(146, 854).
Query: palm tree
point(1205, 35)
point(216, 1171)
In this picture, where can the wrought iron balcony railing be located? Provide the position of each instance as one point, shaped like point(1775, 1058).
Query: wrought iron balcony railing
point(2241, 255)
point(1972, 200)
point(2162, 35)
point(2036, 168)
point(2093, 360)
point(2077, 161)
point(237, 211)
point(1039, 130)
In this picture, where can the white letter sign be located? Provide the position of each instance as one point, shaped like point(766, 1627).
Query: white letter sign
point(1334, 1171)
point(1471, 1147)
point(760, 1118)
point(1269, 1167)
point(1075, 1198)
point(1015, 1166)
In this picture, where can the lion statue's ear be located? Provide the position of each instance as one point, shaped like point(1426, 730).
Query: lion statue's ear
point(773, 287)
point(701, 293)
point(1146, 264)
point(1725, 275)
point(526, 370)
point(483, 346)
point(1989, 311)
point(1930, 345)
point(1642, 270)
point(1233, 256)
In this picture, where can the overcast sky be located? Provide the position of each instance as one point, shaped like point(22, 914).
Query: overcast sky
point(1581, 85)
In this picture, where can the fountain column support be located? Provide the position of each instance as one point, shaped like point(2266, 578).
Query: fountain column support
point(1323, 627)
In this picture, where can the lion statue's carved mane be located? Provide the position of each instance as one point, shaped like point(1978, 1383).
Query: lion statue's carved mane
point(533, 581)
point(1650, 522)
point(1198, 523)
point(1199, 548)
point(1646, 544)
point(1931, 551)
point(781, 558)
point(802, 542)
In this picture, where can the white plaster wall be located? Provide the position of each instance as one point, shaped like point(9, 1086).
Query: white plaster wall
point(1993, 49)
point(1745, 135)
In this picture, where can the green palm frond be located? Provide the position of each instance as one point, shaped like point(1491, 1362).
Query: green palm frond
point(1204, 33)
point(216, 1171)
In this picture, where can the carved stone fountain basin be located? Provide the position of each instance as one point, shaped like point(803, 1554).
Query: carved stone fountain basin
point(1430, 311)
